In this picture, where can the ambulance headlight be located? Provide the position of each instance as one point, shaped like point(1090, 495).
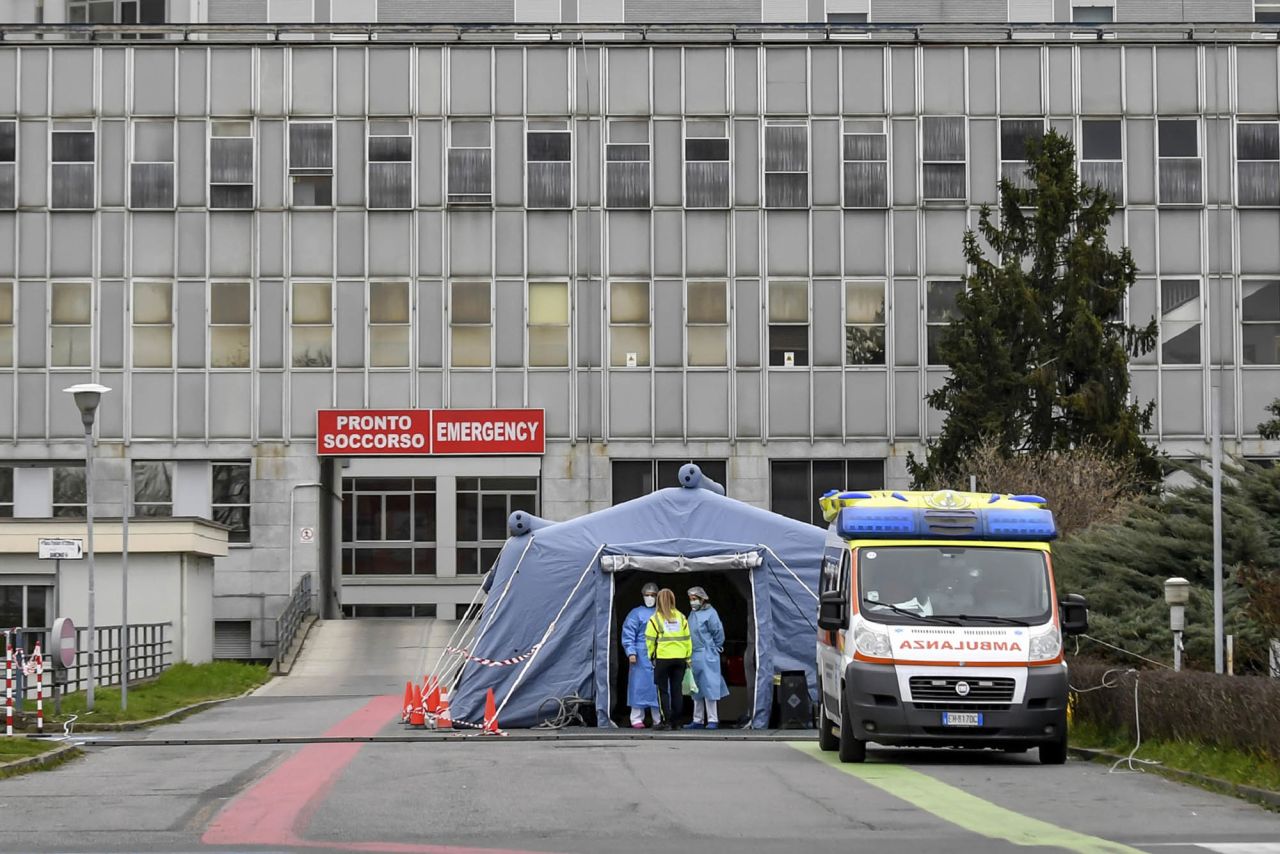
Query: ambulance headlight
point(1046, 646)
point(872, 643)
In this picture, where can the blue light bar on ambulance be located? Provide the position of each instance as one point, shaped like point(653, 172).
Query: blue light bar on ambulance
point(987, 523)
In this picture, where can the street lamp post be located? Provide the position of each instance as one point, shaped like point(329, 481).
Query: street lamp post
point(87, 397)
point(1177, 593)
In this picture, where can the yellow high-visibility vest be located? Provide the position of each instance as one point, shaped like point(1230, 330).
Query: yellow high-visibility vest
point(668, 639)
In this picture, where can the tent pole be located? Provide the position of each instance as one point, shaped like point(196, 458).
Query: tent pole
point(547, 634)
point(788, 569)
point(459, 631)
point(438, 669)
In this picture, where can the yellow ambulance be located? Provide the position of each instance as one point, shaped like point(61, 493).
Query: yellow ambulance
point(939, 624)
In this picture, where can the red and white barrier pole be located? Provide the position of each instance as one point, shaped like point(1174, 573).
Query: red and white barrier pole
point(39, 668)
point(8, 683)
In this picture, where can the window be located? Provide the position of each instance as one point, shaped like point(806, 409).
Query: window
point(627, 164)
point(6, 492)
point(548, 324)
point(1258, 169)
point(940, 310)
point(1014, 136)
point(152, 488)
point(311, 319)
point(389, 324)
point(390, 164)
point(866, 166)
point(629, 324)
point(795, 485)
point(786, 165)
point(1178, 145)
point(311, 164)
point(231, 164)
point(944, 149)
point(470, 163)
point(1102, 156)
point(389, 526)
point(1180, 319)
point(70, 325)
point(1266, 13)
point(470, 324)
point(864, 321)
point(708, 324)
point(116, 11)
point(68, 492)
point(6, 324)
point(26, 606)
point(8, 164)
point(548, 171)
point(706, 163)
point(483, 507)
point(152, 324)
point(231, 494)
point(1260, 315)
point(71, 170)
point(846, 17)
point(788, 324)
point(637, 478)
point(1092, 14)
point(151, 170)
point(230, 324)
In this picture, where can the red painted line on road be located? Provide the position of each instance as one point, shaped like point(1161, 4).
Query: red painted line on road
point(276, 810)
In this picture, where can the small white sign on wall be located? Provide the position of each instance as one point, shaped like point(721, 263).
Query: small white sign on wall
point(58, 549)
point(306, 535)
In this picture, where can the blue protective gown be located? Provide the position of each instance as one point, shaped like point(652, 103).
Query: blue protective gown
point(708, 643)
point(642, 692)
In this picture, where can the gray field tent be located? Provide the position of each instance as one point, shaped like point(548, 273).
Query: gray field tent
point(549, 628)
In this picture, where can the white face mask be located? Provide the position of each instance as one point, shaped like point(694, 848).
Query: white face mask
point(695, 604)
point(650, 601)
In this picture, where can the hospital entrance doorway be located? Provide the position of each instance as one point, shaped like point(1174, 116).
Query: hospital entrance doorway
point(731, 596)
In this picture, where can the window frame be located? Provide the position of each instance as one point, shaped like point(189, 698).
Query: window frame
point(293, 171)
point(134, 126)
point(412, 182)
point(691, 324)
point(812, 489)
point(8, 503)
point(883, 325)
point(214, 505)
point(9, 326)
point(481, 544)
point(58, 506)
point(349, 534)
point(1161, 159)
point(89, 126)
point(1245, 323)
point(1110, 7)
point(717, 468)
point(51, 324)
point(846, 137)
point(1082, 159)
point(10, 166)
point(468, 199)
point(135, 325)
point(214, 122)
point(1268, 9)
point(641, 364)
point(488, 324)
point(937, 324)
point(566, 131)
point(611, 165)
point(1199, 322)
point(1240, 161)
point(566, 327)
point(165, 507)
point(769, 124)
point(374, 326)
point(963, 161)
point(294, 325)
point(727, 137)
point(1019, 180)
point(807, 323)
point(215, 324)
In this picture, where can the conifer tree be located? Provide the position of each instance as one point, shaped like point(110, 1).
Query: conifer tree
point(1271, 429)
point(1039, 357)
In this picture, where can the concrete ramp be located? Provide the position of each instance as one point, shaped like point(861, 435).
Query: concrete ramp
point(345, 658)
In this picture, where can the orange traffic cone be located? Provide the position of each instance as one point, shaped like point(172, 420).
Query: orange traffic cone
point(407, 705)
point(490, 713)
point(416, 717)
point(443, 720)
point(431, 700)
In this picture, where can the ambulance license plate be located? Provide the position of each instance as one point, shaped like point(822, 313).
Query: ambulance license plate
point(962, 718)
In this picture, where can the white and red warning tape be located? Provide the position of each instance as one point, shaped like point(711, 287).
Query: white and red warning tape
point(493, 662)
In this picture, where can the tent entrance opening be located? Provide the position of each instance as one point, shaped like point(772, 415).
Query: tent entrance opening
point(730, 593)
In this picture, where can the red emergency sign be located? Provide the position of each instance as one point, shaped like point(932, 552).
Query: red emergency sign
point(422, 432)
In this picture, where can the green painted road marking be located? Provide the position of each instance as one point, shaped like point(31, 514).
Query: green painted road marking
point(963, 809)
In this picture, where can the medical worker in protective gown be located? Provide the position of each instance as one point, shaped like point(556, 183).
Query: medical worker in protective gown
point(708, 642)
point(642, 693)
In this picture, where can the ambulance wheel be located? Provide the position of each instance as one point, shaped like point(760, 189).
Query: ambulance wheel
point(1054, 752)
point(827, 738)
point(851, 749)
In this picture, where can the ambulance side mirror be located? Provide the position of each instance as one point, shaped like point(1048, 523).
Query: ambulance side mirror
point(1073, 613)
point(833, 611)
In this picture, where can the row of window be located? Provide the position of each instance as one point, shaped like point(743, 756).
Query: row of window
point(630, 312)
point(152, 493)
point(469, 169)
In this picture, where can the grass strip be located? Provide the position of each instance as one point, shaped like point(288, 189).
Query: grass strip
point(1223, 763)
point(181, 685)
point(18, 747)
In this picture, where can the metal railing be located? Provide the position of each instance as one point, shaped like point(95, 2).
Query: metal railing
point(150, 654)
point(301, 604)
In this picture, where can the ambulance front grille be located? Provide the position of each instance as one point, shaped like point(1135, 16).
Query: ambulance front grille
point(943, 689)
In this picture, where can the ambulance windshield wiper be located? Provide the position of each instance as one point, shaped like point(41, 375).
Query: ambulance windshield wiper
point(1008, 621)
point(946, 621)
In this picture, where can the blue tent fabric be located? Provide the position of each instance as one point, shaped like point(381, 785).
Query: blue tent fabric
point(554, 572)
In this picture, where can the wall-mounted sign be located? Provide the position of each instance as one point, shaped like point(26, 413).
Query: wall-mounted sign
point(306, 535)
point(51, 548)
point(427, 432)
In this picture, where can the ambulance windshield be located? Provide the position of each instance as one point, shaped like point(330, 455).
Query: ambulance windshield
point(964, 585)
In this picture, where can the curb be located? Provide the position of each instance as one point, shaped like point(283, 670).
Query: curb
point(1265, 797)
point(33, 763)
point(168, 717)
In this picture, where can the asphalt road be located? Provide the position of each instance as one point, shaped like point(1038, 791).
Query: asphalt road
point(585, 795)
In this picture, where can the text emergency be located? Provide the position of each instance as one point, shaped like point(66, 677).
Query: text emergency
point(430, 432)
